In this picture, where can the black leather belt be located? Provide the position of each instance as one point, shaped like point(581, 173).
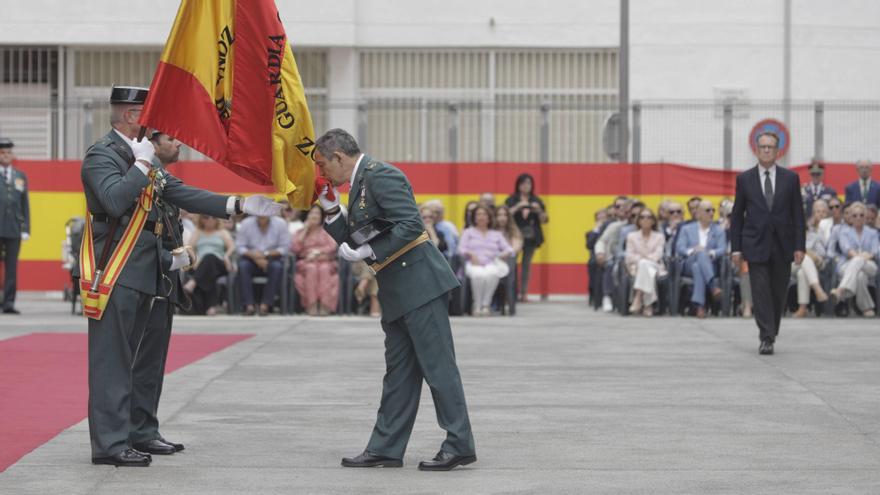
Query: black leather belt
point(149, 225)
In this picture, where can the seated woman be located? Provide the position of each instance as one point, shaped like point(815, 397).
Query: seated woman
point(859, 244)
point(644, 260)
point(508, 229)
point(485, 250)
point(807, 273)
point(214, 247)
point(316, 276)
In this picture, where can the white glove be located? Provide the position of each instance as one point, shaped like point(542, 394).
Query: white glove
point(180, 260)
point(25, 236)
point(325, 203)
point(349, 254)
point(144, 151)
point(261, 206)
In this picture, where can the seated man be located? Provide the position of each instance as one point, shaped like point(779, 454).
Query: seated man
point(262, 243)
point(701, 243)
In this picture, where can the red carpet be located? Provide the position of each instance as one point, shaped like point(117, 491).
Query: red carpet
point(44, 384)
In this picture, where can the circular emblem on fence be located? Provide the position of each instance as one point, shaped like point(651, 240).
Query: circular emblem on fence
point(774, 126)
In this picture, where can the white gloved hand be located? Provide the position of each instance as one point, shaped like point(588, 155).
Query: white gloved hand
point(144, 151)
point(261, 206)
point(25, 236)
point(349, 254)
point(328, 204)
point(186, 258)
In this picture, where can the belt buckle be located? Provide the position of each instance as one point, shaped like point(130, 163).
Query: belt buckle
point(158, 229)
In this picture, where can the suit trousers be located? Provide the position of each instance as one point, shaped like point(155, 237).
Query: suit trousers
point(700, 266)
point(148, 372)
point(10, 247)
point(419, 346)
point(769, 281)
point(113, 347)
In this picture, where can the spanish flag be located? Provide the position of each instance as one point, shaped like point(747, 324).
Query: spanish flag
point(227, 85)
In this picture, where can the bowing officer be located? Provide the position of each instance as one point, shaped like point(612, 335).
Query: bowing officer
point(15, 220)
point(414, 283)
point(115, 172)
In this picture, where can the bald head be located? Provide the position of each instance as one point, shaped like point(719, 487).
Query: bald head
point(864, 168)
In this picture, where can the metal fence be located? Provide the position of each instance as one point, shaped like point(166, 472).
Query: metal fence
point(563, 130)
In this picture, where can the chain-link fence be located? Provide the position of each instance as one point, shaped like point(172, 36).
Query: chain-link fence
point(561, 130)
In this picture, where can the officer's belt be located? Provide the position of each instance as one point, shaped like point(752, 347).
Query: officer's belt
point(375, 267)
point(149, 226)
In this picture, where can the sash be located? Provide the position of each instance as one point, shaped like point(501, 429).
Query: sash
point(96, 284)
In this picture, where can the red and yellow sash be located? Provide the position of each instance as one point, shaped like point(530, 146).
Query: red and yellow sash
point(95, 296)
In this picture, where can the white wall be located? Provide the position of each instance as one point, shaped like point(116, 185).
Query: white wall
point(680, 48)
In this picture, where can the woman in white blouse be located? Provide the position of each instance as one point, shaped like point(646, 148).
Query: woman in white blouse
point(644, 259)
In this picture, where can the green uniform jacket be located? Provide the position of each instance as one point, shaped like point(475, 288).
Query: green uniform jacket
point(112, 187)
point(15, 213)
point(381, 190)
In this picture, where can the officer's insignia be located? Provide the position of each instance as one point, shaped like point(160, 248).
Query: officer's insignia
point(363, 203)
point(160, 181)
point(19, 184)
point(371, 165)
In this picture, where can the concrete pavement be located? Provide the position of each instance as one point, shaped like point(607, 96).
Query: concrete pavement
point(562, 400)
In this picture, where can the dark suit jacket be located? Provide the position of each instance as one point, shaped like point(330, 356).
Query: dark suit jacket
point(420, 275)
point(753, 227)
point(854, 193)
point(810, 197)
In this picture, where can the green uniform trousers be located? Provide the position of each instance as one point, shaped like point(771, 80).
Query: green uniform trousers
point(148, 372)
point(419, 346)
point(113, 346)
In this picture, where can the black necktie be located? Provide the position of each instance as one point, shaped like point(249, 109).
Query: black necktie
point(768, 189)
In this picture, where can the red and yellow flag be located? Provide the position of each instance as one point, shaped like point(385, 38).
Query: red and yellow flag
point(227, 85)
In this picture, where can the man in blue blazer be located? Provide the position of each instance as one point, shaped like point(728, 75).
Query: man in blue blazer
point(865, 190)
point(767, 229)
point(701, 243)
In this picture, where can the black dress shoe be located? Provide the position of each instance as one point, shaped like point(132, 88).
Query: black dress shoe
point(11, 311)
point(155, 446)
point(766, 348)
point(367, 459)
point(444, 461)
point(126, 458)
point(177, 446)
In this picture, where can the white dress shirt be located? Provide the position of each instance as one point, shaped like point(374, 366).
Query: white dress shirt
point(761, 175)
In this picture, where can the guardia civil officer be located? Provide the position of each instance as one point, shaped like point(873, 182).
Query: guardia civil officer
point(114, 172)
point(148, 372)
point(15, 220)
point(414, 283)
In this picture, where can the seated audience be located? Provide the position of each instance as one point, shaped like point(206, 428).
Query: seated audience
point(606, 249)
point(701, 243)
point(485, 250)
point(427, 214)
point(366, 287)
point(444, 228)
point(807, 273)
point(858, 246)
point(316, 277)
point(644, 260)
point(508, 229)
point(262, 243)
point(214, 248)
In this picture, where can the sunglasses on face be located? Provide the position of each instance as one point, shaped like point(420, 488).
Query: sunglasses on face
point(834, 207)
point(675, 212)
point(816, 174)
point(709, 210)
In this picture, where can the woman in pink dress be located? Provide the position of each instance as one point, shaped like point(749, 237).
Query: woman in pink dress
point(315, 276)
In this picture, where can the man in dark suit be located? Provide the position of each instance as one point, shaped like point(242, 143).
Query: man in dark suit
point(15, 220)
point(816, 188)
point(414, 283)
point(114, 172)
point(767, 229)
point(865, 190)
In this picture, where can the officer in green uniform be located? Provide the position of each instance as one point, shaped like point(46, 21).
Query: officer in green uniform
point(148, 372)
point(15, 220)
point(414, 283)
point(114, 171)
